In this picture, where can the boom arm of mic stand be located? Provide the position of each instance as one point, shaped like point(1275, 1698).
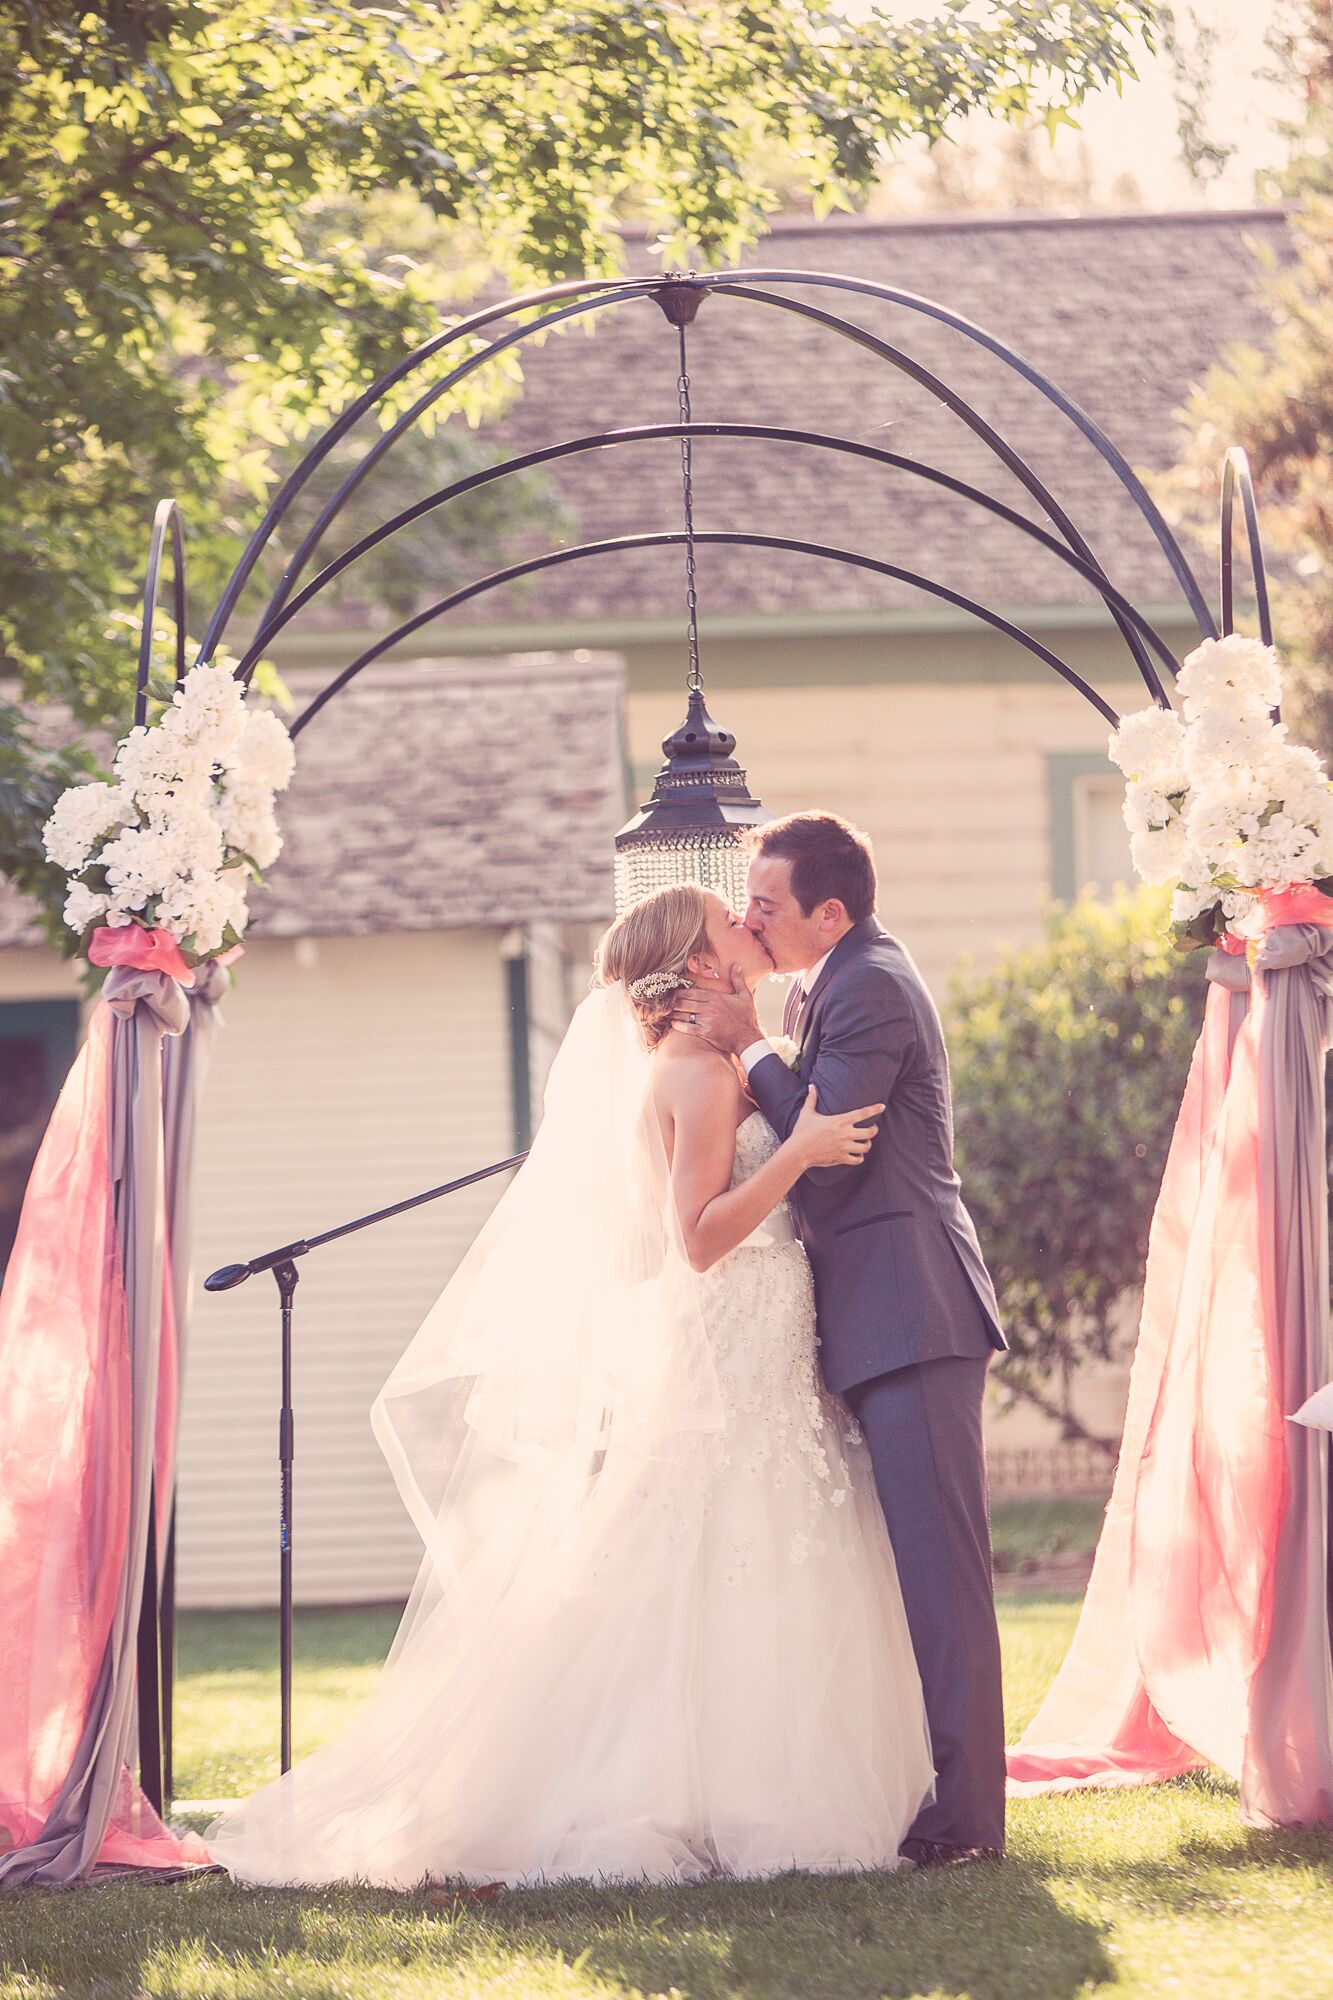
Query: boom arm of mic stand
point(282, 1263)
point(227, 1275)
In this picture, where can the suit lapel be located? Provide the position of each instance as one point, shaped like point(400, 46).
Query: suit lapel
point(798, 1004)
point(858, 935)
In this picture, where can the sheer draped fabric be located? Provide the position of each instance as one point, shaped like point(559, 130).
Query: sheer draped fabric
point(1204, 1636)
point(571, 1328)
point(66, 1431)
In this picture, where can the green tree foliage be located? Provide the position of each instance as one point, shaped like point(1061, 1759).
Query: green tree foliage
point(187, 283)
point(1277, 401)
point(32, 777)
point(1069, 1059)
point(1190, 44)
point(219, 219)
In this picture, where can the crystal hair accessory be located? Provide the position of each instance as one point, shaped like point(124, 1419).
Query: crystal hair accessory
point(654, 985)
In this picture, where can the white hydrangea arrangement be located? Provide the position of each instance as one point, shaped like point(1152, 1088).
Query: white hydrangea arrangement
point(1217, 801)
point(187, 822)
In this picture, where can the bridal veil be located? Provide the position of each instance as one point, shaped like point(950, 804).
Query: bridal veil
point(567, 1348)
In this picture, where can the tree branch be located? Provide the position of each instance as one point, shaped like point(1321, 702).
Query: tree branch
point(73, 203)
point(181, 213)
point(1072, 1431)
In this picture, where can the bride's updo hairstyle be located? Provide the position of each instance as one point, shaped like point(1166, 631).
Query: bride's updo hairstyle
point(648, 947)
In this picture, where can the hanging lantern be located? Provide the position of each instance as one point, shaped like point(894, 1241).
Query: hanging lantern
point(693, 827)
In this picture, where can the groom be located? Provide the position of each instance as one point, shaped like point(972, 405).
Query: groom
point(907, 1313)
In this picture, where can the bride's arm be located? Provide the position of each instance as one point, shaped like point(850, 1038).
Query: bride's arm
point(701, 1111)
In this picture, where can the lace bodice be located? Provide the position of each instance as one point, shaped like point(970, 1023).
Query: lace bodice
point(784, 1430)
point(756, 1141)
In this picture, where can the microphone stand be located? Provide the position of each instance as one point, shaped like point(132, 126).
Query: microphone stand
point(283, 1264)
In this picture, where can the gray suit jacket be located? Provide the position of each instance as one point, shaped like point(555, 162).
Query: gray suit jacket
point(899, 1274)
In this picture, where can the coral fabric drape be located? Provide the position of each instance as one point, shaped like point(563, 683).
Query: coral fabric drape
point(65, 1499)
point(1164, 1669)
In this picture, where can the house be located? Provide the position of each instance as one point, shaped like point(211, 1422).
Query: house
point(981, 776)
point(447, 860)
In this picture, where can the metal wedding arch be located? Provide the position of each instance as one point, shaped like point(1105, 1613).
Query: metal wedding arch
point(480, 337)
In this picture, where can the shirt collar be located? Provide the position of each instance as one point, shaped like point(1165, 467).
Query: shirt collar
point(808, 979)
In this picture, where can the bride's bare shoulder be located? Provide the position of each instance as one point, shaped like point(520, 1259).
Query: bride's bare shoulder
point(688, 1072)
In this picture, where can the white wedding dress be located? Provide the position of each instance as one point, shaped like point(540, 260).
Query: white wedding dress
point(669, 1646)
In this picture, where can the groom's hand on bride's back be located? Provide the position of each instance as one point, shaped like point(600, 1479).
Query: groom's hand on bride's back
point(835, 1139)
point(720, 1012)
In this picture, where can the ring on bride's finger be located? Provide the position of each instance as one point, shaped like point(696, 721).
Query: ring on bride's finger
point(694, 1020)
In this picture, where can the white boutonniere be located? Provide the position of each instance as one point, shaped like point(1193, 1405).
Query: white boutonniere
point(788, 1050)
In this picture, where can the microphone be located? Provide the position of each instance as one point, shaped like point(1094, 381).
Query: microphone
point(223, 1279)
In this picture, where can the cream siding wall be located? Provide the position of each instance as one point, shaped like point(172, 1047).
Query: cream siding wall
point(350, 1072)
point(559, 965)
point(949, 780)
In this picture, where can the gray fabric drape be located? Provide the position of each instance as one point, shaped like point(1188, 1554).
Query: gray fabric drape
point(1289, 1755)
point(1290, 1759)
point(154, 1096)
point(147, 1006)
point(185, 1060)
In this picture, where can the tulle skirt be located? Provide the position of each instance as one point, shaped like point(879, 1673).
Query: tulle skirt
point(685, 1661)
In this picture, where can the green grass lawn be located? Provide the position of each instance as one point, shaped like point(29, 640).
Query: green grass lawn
point(1155, 1893)
point(1027, 1533)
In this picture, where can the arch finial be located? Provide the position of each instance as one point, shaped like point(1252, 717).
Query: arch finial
point(680, 297)
point(166, 521)
point(1236, 472)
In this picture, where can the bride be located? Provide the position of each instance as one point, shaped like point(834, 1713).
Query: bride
point(657, 1631)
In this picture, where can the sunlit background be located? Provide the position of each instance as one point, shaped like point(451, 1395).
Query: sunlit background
point(1127, 150)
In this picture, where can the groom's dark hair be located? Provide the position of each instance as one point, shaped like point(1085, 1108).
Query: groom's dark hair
point(828, 856)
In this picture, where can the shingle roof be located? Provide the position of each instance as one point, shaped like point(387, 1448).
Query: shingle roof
point(1124, 313)
point(435, 794)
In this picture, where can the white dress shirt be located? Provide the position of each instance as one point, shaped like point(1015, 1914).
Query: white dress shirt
point(758, 1050)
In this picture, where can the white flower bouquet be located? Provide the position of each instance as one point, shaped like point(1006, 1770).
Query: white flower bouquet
point(788, 1050)
point(173, 842)
point(1217, 801)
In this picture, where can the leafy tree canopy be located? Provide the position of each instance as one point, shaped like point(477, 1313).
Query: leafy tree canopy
point(189, 286)
point(219, 219)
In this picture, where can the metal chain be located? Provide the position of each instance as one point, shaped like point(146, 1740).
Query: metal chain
point(694, 680)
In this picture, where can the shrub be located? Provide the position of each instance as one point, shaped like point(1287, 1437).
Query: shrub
point(1069, 1060)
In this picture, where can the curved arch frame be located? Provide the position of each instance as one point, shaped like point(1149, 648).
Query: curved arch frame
point(1011, 459)
point(1091, 430)
point(666, 538)
point(978, 425)
point(588, 295)
point(551, 306)
point(382, 386)
point(1083, 566)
